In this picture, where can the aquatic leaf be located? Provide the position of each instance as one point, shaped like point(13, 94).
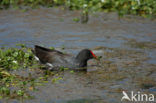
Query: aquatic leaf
point(1, 97)
point(5, 73)
point(76, 19)
point(71, 71)
point(4, 90)
point(20, 92)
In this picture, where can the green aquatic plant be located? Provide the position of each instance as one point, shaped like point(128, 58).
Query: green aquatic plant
point(76, 19)
point(56, 79)
point(14, 58)
point(18, 86)
point(146, 8)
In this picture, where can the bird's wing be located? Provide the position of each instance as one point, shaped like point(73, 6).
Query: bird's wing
point(46, 55)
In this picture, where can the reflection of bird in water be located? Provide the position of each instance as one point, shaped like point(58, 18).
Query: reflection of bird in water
point(125, 96)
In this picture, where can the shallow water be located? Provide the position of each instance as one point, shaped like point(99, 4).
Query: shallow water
point(127, 45)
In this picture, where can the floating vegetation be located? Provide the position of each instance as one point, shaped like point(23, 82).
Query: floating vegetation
point(13, 58)
point(12, 85)
point(76, 19)
point(146, 8)
point(18, 86)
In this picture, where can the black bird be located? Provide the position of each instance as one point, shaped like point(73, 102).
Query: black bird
point(55, 59)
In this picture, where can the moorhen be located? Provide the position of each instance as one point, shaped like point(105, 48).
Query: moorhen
point(56, 59)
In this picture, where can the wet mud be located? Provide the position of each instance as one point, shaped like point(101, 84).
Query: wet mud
point(127, 46)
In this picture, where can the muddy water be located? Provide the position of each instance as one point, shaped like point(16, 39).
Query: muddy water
point(127, 47)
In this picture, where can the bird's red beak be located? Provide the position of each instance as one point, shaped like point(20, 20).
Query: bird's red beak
point(93, 55)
